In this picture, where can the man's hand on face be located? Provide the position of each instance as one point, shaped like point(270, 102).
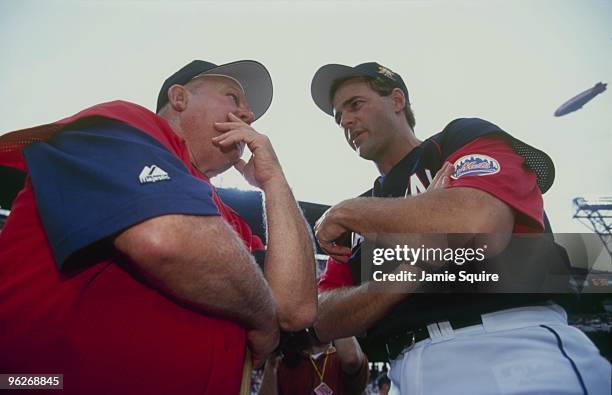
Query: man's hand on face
point(263, 167)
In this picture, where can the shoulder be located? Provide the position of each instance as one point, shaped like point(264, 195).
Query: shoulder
point(462, 131)
point(137, 117)
point(468, 129)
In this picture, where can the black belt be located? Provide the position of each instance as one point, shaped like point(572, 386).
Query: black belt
point(396, 344)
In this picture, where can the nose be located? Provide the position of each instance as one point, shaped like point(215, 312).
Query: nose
point(346, 120)
point(245, 114)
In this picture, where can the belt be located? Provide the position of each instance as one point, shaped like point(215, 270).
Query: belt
point(404, 341)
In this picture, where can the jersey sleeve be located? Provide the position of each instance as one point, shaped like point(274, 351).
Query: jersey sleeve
point(489, 164)
point(335, 275)
point(98, 180)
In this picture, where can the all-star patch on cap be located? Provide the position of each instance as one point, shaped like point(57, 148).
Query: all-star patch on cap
point(253, 76)
point(324, 78)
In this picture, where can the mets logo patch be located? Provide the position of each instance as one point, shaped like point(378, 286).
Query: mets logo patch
point(475, 165)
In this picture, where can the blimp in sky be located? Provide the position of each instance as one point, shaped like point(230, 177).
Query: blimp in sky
point(576, 102)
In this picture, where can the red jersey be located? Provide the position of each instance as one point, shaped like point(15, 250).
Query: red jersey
point(511, 183)
point(104, 328)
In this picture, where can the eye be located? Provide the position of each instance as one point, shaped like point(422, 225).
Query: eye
point(233, 97)
point(356, 104)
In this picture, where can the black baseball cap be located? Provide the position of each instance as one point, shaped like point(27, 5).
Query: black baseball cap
point(324, 78)
point(253, 76)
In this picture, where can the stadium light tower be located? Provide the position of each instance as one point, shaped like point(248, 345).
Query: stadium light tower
point(596, 214)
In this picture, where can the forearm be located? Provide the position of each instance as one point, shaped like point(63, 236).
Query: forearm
point(350, 311)
point(290, 262)
point(200, 261)
point(350, 354)
point(236, 290)
point(354, 364)
point(454, 210)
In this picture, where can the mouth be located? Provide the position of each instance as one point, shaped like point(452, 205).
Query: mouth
point(355, 137)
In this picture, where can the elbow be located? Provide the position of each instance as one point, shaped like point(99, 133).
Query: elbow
point(478, 212)
point(352, 362)
point(297, 311)
point(293, 319)
point(159, 249)
point(497, 220)
point(493, 229)
point(480, 225)
point(321, 333)
point(494, 222)
point(148, 246)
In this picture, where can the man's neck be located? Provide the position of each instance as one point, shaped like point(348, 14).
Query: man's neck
point(397, 150)
point(175, 125)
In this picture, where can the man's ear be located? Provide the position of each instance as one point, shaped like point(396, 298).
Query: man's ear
point(399, 100)
point(178, 97)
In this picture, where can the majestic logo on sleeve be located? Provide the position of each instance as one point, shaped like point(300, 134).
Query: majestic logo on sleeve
point(152, 174)
point(475, 165)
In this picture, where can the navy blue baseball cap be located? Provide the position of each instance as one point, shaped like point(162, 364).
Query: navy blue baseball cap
point(324, 78)
point(253, 76)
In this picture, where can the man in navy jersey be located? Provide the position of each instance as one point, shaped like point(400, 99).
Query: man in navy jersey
point(120, 266)
point(472, 178)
